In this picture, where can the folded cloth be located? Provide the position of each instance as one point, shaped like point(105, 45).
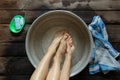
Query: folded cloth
point(103, 57)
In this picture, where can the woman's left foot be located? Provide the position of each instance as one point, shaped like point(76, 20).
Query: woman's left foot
point(62, 47)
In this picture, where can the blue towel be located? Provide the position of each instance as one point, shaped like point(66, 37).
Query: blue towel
point(103, 57)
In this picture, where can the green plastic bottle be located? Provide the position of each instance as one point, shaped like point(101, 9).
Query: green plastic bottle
point(17, 24)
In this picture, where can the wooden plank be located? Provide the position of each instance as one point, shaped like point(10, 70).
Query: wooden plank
point(18, 49)
point(6, 36)
point(114, 37)
point(107, 16)
point(113, 33)
point(15, 66)
point(78, 77)
point(3, 78)
point(63, 4)
point(113, 29)
point(12, 49)
point(30, 16)
point(15, 77)
point(116, 46)
point(83, 76)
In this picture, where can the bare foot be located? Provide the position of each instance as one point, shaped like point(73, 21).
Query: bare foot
point(55, 43)
point(62, 47)
point(70, 46)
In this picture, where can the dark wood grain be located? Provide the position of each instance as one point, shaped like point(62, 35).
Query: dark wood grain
point(78, 77)
point(12, 49)
point(15, 66)
point(7, 36)
point(30, 16)
point(63, 4)
point(18, 49)
point(15, 77)
point(12, 68)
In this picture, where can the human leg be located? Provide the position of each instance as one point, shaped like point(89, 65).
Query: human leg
point(65, 73)
point(54, 73)
point(41, 71)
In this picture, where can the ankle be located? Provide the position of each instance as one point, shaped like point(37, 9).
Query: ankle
point(57, 58)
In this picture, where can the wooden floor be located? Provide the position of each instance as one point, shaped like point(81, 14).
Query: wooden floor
point(14, 64)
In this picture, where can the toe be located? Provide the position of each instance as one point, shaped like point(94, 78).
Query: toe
point(70, 40)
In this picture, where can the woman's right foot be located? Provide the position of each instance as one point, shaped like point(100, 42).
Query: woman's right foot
point(62, 47)
point(55, 43)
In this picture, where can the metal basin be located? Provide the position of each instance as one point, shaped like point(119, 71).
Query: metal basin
point(42, 31)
